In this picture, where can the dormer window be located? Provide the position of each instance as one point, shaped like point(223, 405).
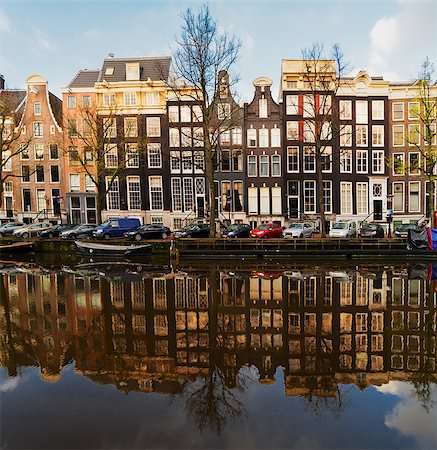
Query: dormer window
point(132, 72)
point(109, 71)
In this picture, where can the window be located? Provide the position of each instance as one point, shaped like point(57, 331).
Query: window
point(153, 127)
point(111, 156)
point(346, 197)
point(252, 200)
point(413, 110)
point(263, 166)
point(86, 101)
point(176, 194)
point(188, 194)
point(327, 196)
point(361, 135)
point(251, 137)
point(156, 199)
point(361, 111)
point(54, 174)
point(262, 103)
point(39, 151)
point(88, 155)
point(398, 135)
point(345, 107)
point(198, 140)
point(24, 151)
point(175, 162)
point(414, 134)
point(73, 155)
point(87, 128)
point(251, 166)
point(414, 163)
point(154, 155)
point(325, 102)
point(38, 129)
point(37, 108)
point(326, 131)
point(173, 113)
point(276, 166)
point(7, 160)
point(225, 136)
point(197, 113)
point(226, 196)
point(430, 135)
point(309, 105)
point(130, 127)
point(309, 132)
point(39, 174)
point(89, 184)
point(185, 113)
point(398, 197)
point(72, 127)
point(152, 98)
point(275, 137)
point(199, 162)
point(292, 105)
point(25, 174)
point(362, 189)
point(361, 161)
point(225, 160)
point(236, 136)
point(263, 137)
point(130, 99)
point(223, 110)
point(71, 101)
point(309, 196)
point(186, 138)
point(378, 161)
point(398, 111)
point(346, 136)
point(74, 182)
point(414, 197)
point(292, 130)
point(309, 160)
point(293, 159)
point(345, 161)
point(133, 193)
point(326, 158)
point(174, 137)
point(109, 127)
point(187, 162)
point(132, 71)
point(132, 156)
point(378, 109)
point(398, 163)
point(378, 135)
point(113, 193)
point(109, 100)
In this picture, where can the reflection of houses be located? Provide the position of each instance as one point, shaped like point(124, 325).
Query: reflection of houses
point(160, 331)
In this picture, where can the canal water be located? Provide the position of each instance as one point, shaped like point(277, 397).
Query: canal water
point(102, 355)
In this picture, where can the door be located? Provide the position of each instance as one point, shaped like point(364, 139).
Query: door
point(200, 207)
point(9, 207)
point(293, 207)
point(377, 209)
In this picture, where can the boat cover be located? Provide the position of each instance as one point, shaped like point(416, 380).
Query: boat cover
point(418, 239)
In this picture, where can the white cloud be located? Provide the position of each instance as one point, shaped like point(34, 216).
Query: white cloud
point(399, 43)
point(9, 384)
point(5, 25)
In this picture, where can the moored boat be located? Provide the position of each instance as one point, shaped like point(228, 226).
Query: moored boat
point(97, 249)
point(16, 247)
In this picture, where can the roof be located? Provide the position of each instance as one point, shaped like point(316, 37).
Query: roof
point(14, 101)
point(84, 78)
point(56, 105)
point(156, 68)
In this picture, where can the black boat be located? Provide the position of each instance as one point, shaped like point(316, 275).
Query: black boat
point(16, 247)
point(97, 249)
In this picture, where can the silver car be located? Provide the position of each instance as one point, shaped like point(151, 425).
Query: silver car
point(31, 230)
point(299, 230)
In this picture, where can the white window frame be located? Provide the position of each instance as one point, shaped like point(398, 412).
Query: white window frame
point(293, 152)
point(158, 191)
point(131, 201)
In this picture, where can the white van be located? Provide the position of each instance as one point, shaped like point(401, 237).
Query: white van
point(343, 229)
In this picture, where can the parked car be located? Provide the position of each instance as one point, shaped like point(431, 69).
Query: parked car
point(299, 230)
point(149, 231)
point(79, 231)
point(9, 227)
point(402, 230)
point(116, 227)
point(267, 230)
point(31, 230)
point(343, 229)
point(240, 230)
point(195, 230)
point(54, 231)
point(371, 230)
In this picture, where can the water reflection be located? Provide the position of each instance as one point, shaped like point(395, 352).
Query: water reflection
point(201, 335)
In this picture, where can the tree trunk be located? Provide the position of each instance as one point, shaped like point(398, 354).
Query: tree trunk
point(210, 177)
point(320, 200)
point(431, 189)
point(99, 206)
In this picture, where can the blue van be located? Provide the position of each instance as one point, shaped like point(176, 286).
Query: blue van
point(116, 227)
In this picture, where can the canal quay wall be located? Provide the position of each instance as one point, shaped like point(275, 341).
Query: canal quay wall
point(228, 249)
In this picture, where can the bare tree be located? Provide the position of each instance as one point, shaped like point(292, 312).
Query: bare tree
point(322, 78)
point(12, 143)
point(101, 149)
point(203, 53)
point(421, 136)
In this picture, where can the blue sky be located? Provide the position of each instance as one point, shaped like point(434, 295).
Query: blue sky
point(57, 38)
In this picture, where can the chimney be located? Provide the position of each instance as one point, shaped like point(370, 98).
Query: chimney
point(110, 55)
point(2, 82)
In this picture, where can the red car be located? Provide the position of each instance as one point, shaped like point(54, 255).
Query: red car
point(267, 230)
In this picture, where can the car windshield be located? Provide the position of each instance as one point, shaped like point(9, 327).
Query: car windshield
point(263, 227)
point(297, 225)
point(370, 227)
point(105, 224)
point(190, 227)
point(233, 227)
point(340, 226)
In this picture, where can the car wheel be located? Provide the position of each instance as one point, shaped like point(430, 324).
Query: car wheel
point(50, 235)
point(138, 237)
point(311, 235)
point(301, 235)
point(164, 235)
point(25, 235)
point(73, 236)
point(106, 236)
point(1, 235)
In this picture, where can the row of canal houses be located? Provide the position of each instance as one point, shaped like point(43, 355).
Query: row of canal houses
point(266, 171)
